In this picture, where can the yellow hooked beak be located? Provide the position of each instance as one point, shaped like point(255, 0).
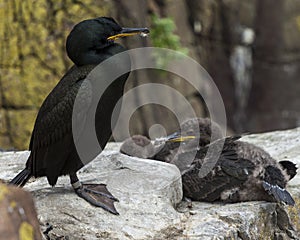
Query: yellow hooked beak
point(182, 138)
point(127, 32)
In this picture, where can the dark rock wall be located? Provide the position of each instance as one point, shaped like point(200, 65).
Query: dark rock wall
point(272, 97)
point(274, 100)
point(33, 59)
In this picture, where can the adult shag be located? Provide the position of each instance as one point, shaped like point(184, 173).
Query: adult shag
point(52, 146)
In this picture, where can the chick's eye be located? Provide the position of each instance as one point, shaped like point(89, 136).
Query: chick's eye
point(190, 132)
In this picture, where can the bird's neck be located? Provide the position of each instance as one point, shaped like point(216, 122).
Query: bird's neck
point(95, 56)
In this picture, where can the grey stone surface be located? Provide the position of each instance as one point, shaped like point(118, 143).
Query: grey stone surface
point(150, 206)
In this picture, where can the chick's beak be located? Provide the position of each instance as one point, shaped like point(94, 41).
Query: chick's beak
point(182, 138)
point(126, 32)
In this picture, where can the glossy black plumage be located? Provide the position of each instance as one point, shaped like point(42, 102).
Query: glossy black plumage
point(53, 151)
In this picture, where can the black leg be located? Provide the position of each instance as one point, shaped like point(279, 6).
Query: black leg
point(95, 194)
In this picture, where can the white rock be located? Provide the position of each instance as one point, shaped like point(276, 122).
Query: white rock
point(148, 192)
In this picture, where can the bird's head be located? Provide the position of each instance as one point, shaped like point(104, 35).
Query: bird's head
point(92, 41)
point(138, 146)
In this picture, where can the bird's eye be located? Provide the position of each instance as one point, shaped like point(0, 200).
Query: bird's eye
point(190, 132)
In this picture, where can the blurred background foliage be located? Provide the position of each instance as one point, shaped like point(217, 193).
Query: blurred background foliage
point(260, 90)
point(163, 36)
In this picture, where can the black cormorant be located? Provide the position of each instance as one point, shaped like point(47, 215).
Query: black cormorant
point(52, 146)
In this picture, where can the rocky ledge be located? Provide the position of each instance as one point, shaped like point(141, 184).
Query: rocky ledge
point(150, 195)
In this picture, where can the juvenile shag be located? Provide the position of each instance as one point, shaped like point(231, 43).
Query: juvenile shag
point(53, 151)
point(243, 172)
point(202, 128)
point(193, 133)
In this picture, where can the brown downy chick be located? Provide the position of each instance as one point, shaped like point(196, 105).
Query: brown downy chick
point(193, 133)
point(242, 172)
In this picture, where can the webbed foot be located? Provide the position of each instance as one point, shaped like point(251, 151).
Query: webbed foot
point(97, 195)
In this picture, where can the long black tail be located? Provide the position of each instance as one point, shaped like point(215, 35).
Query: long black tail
point(21, 178)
